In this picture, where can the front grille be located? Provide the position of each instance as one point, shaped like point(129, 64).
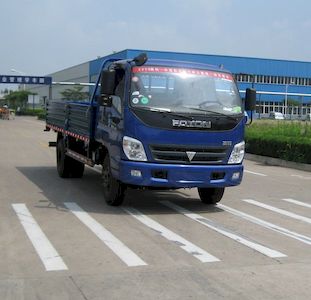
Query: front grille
point(177, 154)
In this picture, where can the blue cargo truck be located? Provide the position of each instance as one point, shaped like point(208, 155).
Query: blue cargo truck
point(155, 124)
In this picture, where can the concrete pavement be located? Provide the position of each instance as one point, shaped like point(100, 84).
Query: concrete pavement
point(102, 246)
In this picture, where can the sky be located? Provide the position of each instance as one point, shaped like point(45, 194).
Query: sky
point(39, 37)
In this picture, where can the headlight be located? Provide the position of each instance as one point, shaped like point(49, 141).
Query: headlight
point(237, 153)
point(134, 149)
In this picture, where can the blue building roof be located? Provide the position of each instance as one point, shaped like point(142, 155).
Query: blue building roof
point(235, 64)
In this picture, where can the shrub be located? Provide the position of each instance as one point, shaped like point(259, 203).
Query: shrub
point(39, 112)
point(286, 140)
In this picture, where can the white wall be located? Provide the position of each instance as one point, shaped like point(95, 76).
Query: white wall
point(78, 73)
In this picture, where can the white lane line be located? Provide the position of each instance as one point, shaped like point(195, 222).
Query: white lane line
point(224, 231)
point(297, 202)
point(255, 173)
point(47, 253)
point(122, 251)
point(192, 249)
point(279, 211)
point(301, 177)
point(268, 225)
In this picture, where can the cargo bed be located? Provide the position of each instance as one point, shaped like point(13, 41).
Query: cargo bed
point(70, 117)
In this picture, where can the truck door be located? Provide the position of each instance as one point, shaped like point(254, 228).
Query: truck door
point(110, 122)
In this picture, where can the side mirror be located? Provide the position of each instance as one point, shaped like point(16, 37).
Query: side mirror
point(140, 59)
point(250, 99)
point(107, 82)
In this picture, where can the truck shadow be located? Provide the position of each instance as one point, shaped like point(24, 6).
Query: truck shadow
point(87, 192)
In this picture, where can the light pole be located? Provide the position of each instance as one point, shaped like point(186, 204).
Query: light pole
point(286, 89)
point(21, 73)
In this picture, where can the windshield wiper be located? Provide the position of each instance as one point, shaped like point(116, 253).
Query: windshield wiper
point(211, 111)
point(164, 111)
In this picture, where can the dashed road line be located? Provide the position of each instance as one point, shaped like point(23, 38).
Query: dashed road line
point(302, 177)
point(297, 202)
point(279, 211)
point(47, 253)
point(189, 247)
point(121, 250)
point(224, 231)
point(297, 236)
point(255, 173)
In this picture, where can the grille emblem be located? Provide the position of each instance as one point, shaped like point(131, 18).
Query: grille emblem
point(190, 155)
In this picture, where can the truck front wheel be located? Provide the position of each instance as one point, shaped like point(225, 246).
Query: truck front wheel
point(113, 189)
point(211, 195)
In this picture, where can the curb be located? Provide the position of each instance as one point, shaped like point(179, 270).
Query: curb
point(278, 162)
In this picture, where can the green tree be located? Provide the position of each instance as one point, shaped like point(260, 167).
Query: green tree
point(17, 98)
point(75, 93)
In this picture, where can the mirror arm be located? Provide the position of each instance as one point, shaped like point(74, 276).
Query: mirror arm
point(251, 121)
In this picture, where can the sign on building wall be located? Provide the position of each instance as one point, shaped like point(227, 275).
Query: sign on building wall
point(11, 79)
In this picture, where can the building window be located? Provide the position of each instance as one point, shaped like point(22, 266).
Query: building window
point(272, 79)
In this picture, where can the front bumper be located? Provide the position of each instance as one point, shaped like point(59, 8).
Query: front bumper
point(179, 176)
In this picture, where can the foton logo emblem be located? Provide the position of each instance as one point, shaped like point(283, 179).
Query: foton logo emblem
point(192, 123)
point(190, 155)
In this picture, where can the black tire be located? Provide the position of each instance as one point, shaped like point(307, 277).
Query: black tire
point(67, 166)
point(113, 189)
point(76, 169)
point(63, 163)
point(211, 195)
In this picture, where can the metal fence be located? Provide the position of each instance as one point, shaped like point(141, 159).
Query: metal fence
point(300, 111)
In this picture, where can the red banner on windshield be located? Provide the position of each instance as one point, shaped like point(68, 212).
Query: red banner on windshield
point(182, 71)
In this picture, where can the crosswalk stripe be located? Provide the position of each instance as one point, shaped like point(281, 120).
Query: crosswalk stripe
point(192, 249)
point(224, 231)
point(47, 253)
point(297, 202)
point(121, 250)
point(268, 225)
point(279, 211)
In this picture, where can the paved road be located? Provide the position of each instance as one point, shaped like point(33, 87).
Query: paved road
point(59, 240)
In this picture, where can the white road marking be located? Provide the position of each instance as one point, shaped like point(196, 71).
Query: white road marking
point(268, 225)
point(255, 173)
point(121, 250)
point(192, 249)
point(279, 211)
point(297, 202)
point(47, 253)
point(224, 231)
point(301, 177)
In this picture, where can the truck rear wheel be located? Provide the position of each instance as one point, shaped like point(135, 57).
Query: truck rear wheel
point(211, 195)
point(67, 166)
point(113, 188)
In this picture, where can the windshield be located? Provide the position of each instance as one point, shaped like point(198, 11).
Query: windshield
point(184, 90)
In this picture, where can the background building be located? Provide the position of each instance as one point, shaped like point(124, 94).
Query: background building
point(282, 85)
